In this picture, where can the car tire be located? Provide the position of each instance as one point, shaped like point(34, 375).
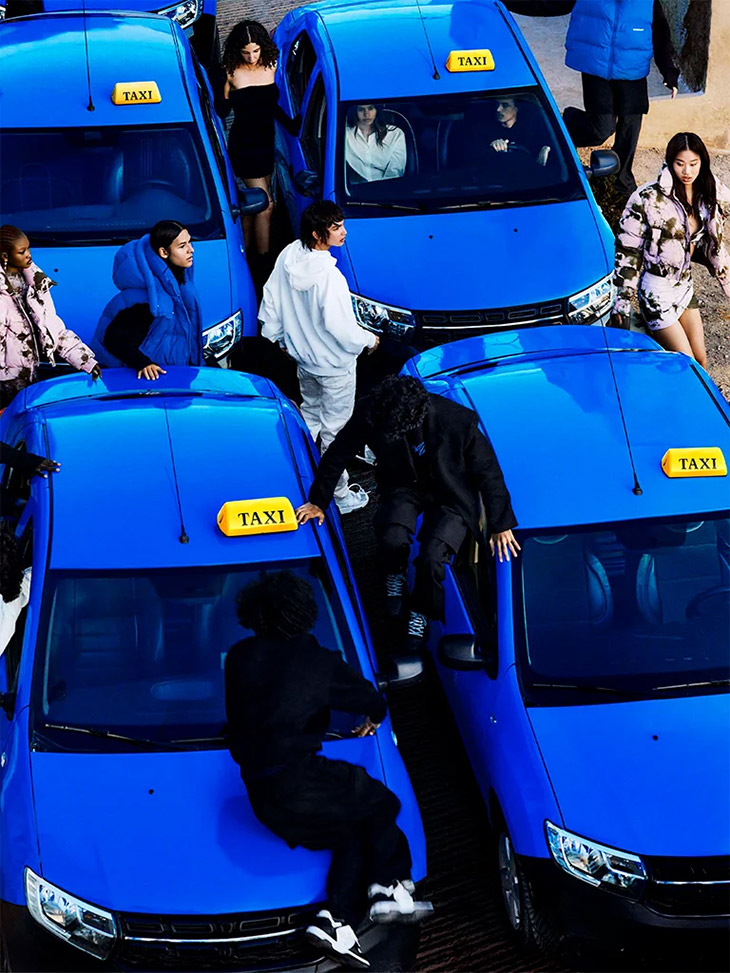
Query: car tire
point(529, 925)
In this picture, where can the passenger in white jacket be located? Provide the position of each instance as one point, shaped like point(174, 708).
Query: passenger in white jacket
point(307, 310)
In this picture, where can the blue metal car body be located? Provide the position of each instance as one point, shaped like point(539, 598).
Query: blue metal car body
point(452, 273)
point(112, 172)
point(627, 764)
point(149, 834)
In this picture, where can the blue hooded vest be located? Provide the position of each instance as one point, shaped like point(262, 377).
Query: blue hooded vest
point(611, 39)
point(175, 335)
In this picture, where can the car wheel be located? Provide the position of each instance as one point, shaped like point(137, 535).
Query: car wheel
point(533, 928)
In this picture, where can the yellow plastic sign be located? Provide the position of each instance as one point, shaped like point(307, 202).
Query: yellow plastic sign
point(268, 515)
point(480, 60)
point(697, 461)
point(136, 93)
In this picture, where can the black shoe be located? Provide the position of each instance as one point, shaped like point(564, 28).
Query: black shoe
point(395, 589)
point(336, 940)
point(417, 633)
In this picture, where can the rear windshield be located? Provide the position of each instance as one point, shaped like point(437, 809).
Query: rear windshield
point(73, 186)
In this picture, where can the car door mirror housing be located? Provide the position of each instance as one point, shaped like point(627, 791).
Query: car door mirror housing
point(604, 162)
point(252, 200)
point(460, 652)
point(405, 671)
point(308, 183)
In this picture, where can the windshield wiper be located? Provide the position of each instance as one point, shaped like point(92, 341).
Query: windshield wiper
point(585, 687)
point(692, 685)
point(386, 205)
point(108, 735)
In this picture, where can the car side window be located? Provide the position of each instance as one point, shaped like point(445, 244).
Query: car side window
point(14, 488)
point(475, 573)
point(14, 647)
point(299, 67)
point(210, 125)
point(314, 129)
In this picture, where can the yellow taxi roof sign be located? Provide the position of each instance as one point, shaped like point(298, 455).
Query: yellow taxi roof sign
point(136, 93)
point(695, 461)
point(479, 60)
point(266, 515)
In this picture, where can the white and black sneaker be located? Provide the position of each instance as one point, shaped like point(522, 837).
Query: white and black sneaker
point(417, 633)
point(336, 940)
point(367, 456)
point(395, 589)
point(395, 903)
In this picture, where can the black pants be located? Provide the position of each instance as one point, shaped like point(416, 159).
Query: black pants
point(329, 804)
point(440, 537)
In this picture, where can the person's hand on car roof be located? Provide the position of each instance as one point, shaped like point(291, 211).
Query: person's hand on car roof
point(309, 511)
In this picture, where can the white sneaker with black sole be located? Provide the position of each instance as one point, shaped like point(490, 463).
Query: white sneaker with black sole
point(395, 903)
point(336, 940)
point(356, 499)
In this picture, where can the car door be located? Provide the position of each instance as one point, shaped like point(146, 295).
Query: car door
point(11, 654)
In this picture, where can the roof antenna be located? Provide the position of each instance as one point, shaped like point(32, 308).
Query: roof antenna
point(436, 76)
point(90, 106)
point(637, 491)
point(183, 538)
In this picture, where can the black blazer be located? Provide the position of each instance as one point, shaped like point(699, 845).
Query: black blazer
point(462, 463)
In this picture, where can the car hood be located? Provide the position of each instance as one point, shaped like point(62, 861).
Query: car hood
point(477, 259)
point(170, 833)
point(651, 777)
point(81, 296)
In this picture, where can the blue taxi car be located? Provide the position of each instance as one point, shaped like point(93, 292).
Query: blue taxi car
point(446, 235)
point(589, 676)
point(131, 141)
point(128, 840)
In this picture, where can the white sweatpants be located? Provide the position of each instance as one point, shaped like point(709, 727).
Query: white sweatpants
point(327, 404)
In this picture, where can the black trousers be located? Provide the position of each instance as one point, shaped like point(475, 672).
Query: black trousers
point(440, 537)
point(330, 804)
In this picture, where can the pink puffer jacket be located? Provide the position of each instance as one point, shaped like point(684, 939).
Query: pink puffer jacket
point(20, 349)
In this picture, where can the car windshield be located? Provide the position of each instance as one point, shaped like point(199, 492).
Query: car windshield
point(142, 654)
point(452, 152)
point(641, 606)
point(103, 185)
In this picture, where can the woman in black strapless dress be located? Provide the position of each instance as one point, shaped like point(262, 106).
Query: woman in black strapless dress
point(249, 60)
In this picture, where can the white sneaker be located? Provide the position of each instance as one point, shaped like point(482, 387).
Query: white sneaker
point(395, 903)
point(356, 499)
point(337, 940)
point(367, 456)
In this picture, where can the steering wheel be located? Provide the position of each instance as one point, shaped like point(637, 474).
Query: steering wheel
point(517, 148)
point(697, 608)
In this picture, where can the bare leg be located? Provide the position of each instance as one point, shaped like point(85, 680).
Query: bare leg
point(673, 338)
point(262, 221)
point(691, 322)
point(247, 230)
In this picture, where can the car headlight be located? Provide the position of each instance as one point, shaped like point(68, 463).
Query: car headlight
point(382, 318)
point(185, 13)
point(592, 303)
point(86, 926)
point(594, 863)
point(218, 340)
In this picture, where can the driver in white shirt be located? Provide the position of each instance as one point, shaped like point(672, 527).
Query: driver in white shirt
point(373, 149)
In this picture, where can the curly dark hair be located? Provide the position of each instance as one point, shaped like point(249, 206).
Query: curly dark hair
point(249, 32)
point(398, 405)
point(11, 569)
point(279, 604)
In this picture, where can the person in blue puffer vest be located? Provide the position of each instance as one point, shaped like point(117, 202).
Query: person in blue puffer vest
point(155, 319)
point(611, 43)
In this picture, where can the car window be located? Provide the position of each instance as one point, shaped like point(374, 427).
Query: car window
point(211, 128)
point(106, 184)
point(299, 68)
point(314, 129)
point(452, 151)
point(14, 488)
point(14, 647)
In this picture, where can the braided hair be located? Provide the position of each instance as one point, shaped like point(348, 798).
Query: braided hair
point(279, 604)
point(249, 32)
point(9, 236)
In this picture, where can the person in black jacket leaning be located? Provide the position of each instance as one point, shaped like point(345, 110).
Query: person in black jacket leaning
point(280, 686)
point(431, 459)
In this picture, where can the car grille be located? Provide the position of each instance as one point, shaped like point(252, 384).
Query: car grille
point(247, 941)
point(436, 327)
point(689, 886)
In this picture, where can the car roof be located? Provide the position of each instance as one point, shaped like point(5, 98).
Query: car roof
point(44, 66)
point(134, 466)
point(382, 47)
point(547, 400)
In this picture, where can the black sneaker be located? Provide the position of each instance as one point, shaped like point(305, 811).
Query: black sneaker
point(395, 903)
point(395, 589)
point(336, 940)
point(417, 633)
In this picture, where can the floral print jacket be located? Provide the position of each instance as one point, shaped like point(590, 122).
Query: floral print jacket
point(30, 329)
point(653, 237)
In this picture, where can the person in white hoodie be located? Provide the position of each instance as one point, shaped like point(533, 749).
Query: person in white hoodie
point(307, 310)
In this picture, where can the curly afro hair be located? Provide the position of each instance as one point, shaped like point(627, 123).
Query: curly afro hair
point(279, 605)
point(11, 570)
point(398, 405)
point(249, 32)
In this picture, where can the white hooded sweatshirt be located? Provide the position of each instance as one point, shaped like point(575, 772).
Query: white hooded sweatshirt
point(307, 309)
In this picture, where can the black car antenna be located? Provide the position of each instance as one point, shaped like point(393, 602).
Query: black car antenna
point(637, 491)
point(436, 76)
point(90, 106)
point(183, 538)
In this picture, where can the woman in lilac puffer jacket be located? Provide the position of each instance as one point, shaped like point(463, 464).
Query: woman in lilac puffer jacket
point(30, 329)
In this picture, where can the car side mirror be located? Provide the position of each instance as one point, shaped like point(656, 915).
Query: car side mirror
point(604, 162)
point(460, 652)
point(252, 200)
point(308, 183)
point(406, 670)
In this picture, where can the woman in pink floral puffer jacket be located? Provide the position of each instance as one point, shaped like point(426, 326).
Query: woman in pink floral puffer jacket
point(30, 329)
point(664, 223)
